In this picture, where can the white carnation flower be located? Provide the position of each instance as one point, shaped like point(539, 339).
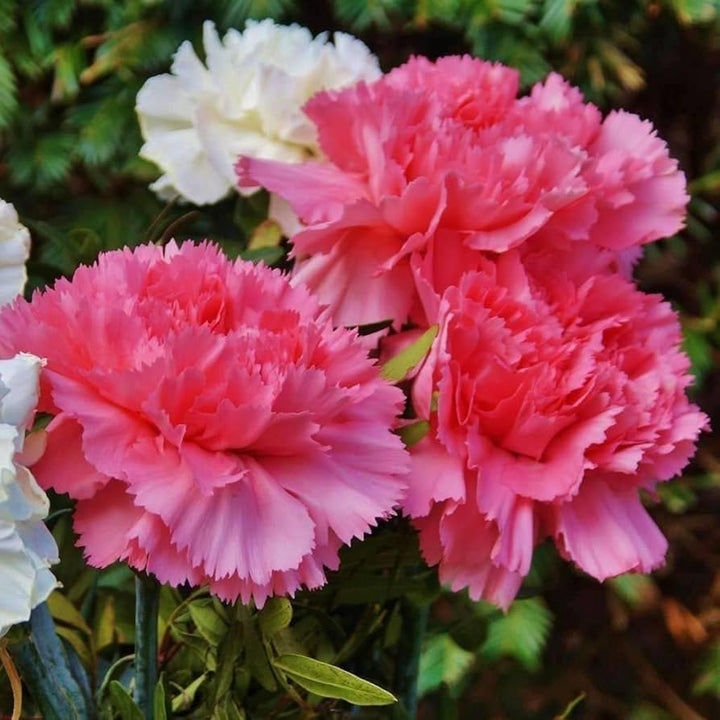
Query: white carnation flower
point(14, 252)
point(246, 100)
point(27, 549)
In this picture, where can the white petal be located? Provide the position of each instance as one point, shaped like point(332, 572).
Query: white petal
point(19, 376)
point(164, 104)
point(187, 166)
point(14, 252)
point(24, 575)
point(247, 99)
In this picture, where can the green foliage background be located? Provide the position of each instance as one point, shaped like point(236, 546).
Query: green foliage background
point(637, 648)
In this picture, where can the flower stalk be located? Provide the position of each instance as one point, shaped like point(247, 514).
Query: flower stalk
point(415, 618)
point(147, 601)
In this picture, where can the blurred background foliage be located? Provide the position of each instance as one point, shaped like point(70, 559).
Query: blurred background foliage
point(636, 648)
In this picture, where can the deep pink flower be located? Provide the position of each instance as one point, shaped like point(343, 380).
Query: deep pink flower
point(210, 423)
point(555, 391)
point(442, 155)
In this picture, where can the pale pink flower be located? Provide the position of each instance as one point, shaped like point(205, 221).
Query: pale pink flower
point(555, 391)
point(441, 155)
point(210, 423)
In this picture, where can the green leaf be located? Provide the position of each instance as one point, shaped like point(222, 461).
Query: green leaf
point(442, 661)
point(397, 368)
point(227, 658)
point(8, 19)
point(123, 704)
point(208, 622)
point(8, 91)
point(677, 496)
point(635, 589)
point(556, 18)
point(267, 255)
point(63, 610)
point(276, 615)
point(266, 235)
point(708, 681)
point(706, 184)
point(521, 633)
point(104, 626)
point(256, 656)
point(68, 60)
point(329, 681)
point(413, 433)
point(186, 698)
point(78, 644)
point(160, 703)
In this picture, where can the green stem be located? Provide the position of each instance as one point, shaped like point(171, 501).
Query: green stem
point(415, 618)
point(147, 601)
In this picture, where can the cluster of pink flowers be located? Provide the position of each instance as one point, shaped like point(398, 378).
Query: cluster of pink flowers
point(217, 423)
point(555, 390)
point(435, 162)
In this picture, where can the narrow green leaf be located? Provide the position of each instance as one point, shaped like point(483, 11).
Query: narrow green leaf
point(160, 703)
point(256, 656)
point(123, 703)
point(227, 657)
point(63, 610)
point(77, 643)
point(104, 626)
point(397, 368)
point(330, 681)
point(185, 699)
point(45, 666)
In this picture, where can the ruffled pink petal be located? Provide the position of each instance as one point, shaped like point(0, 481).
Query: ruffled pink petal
point(105, 523)
point(315, 191)
point(435, 475)
point(607, 531)
point(558, 475)
point(63, 466)
point(238, 531)
point(346, 279)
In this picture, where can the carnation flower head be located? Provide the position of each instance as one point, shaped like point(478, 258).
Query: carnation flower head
point(14, 252)
point(440, 158)
point(247, 99)
point(559, 393)
point(27, 549)
point(211, 424)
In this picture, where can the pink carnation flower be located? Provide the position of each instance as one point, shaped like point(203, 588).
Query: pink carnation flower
point(442, 155)
point(210, 423)
point(555, 391)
